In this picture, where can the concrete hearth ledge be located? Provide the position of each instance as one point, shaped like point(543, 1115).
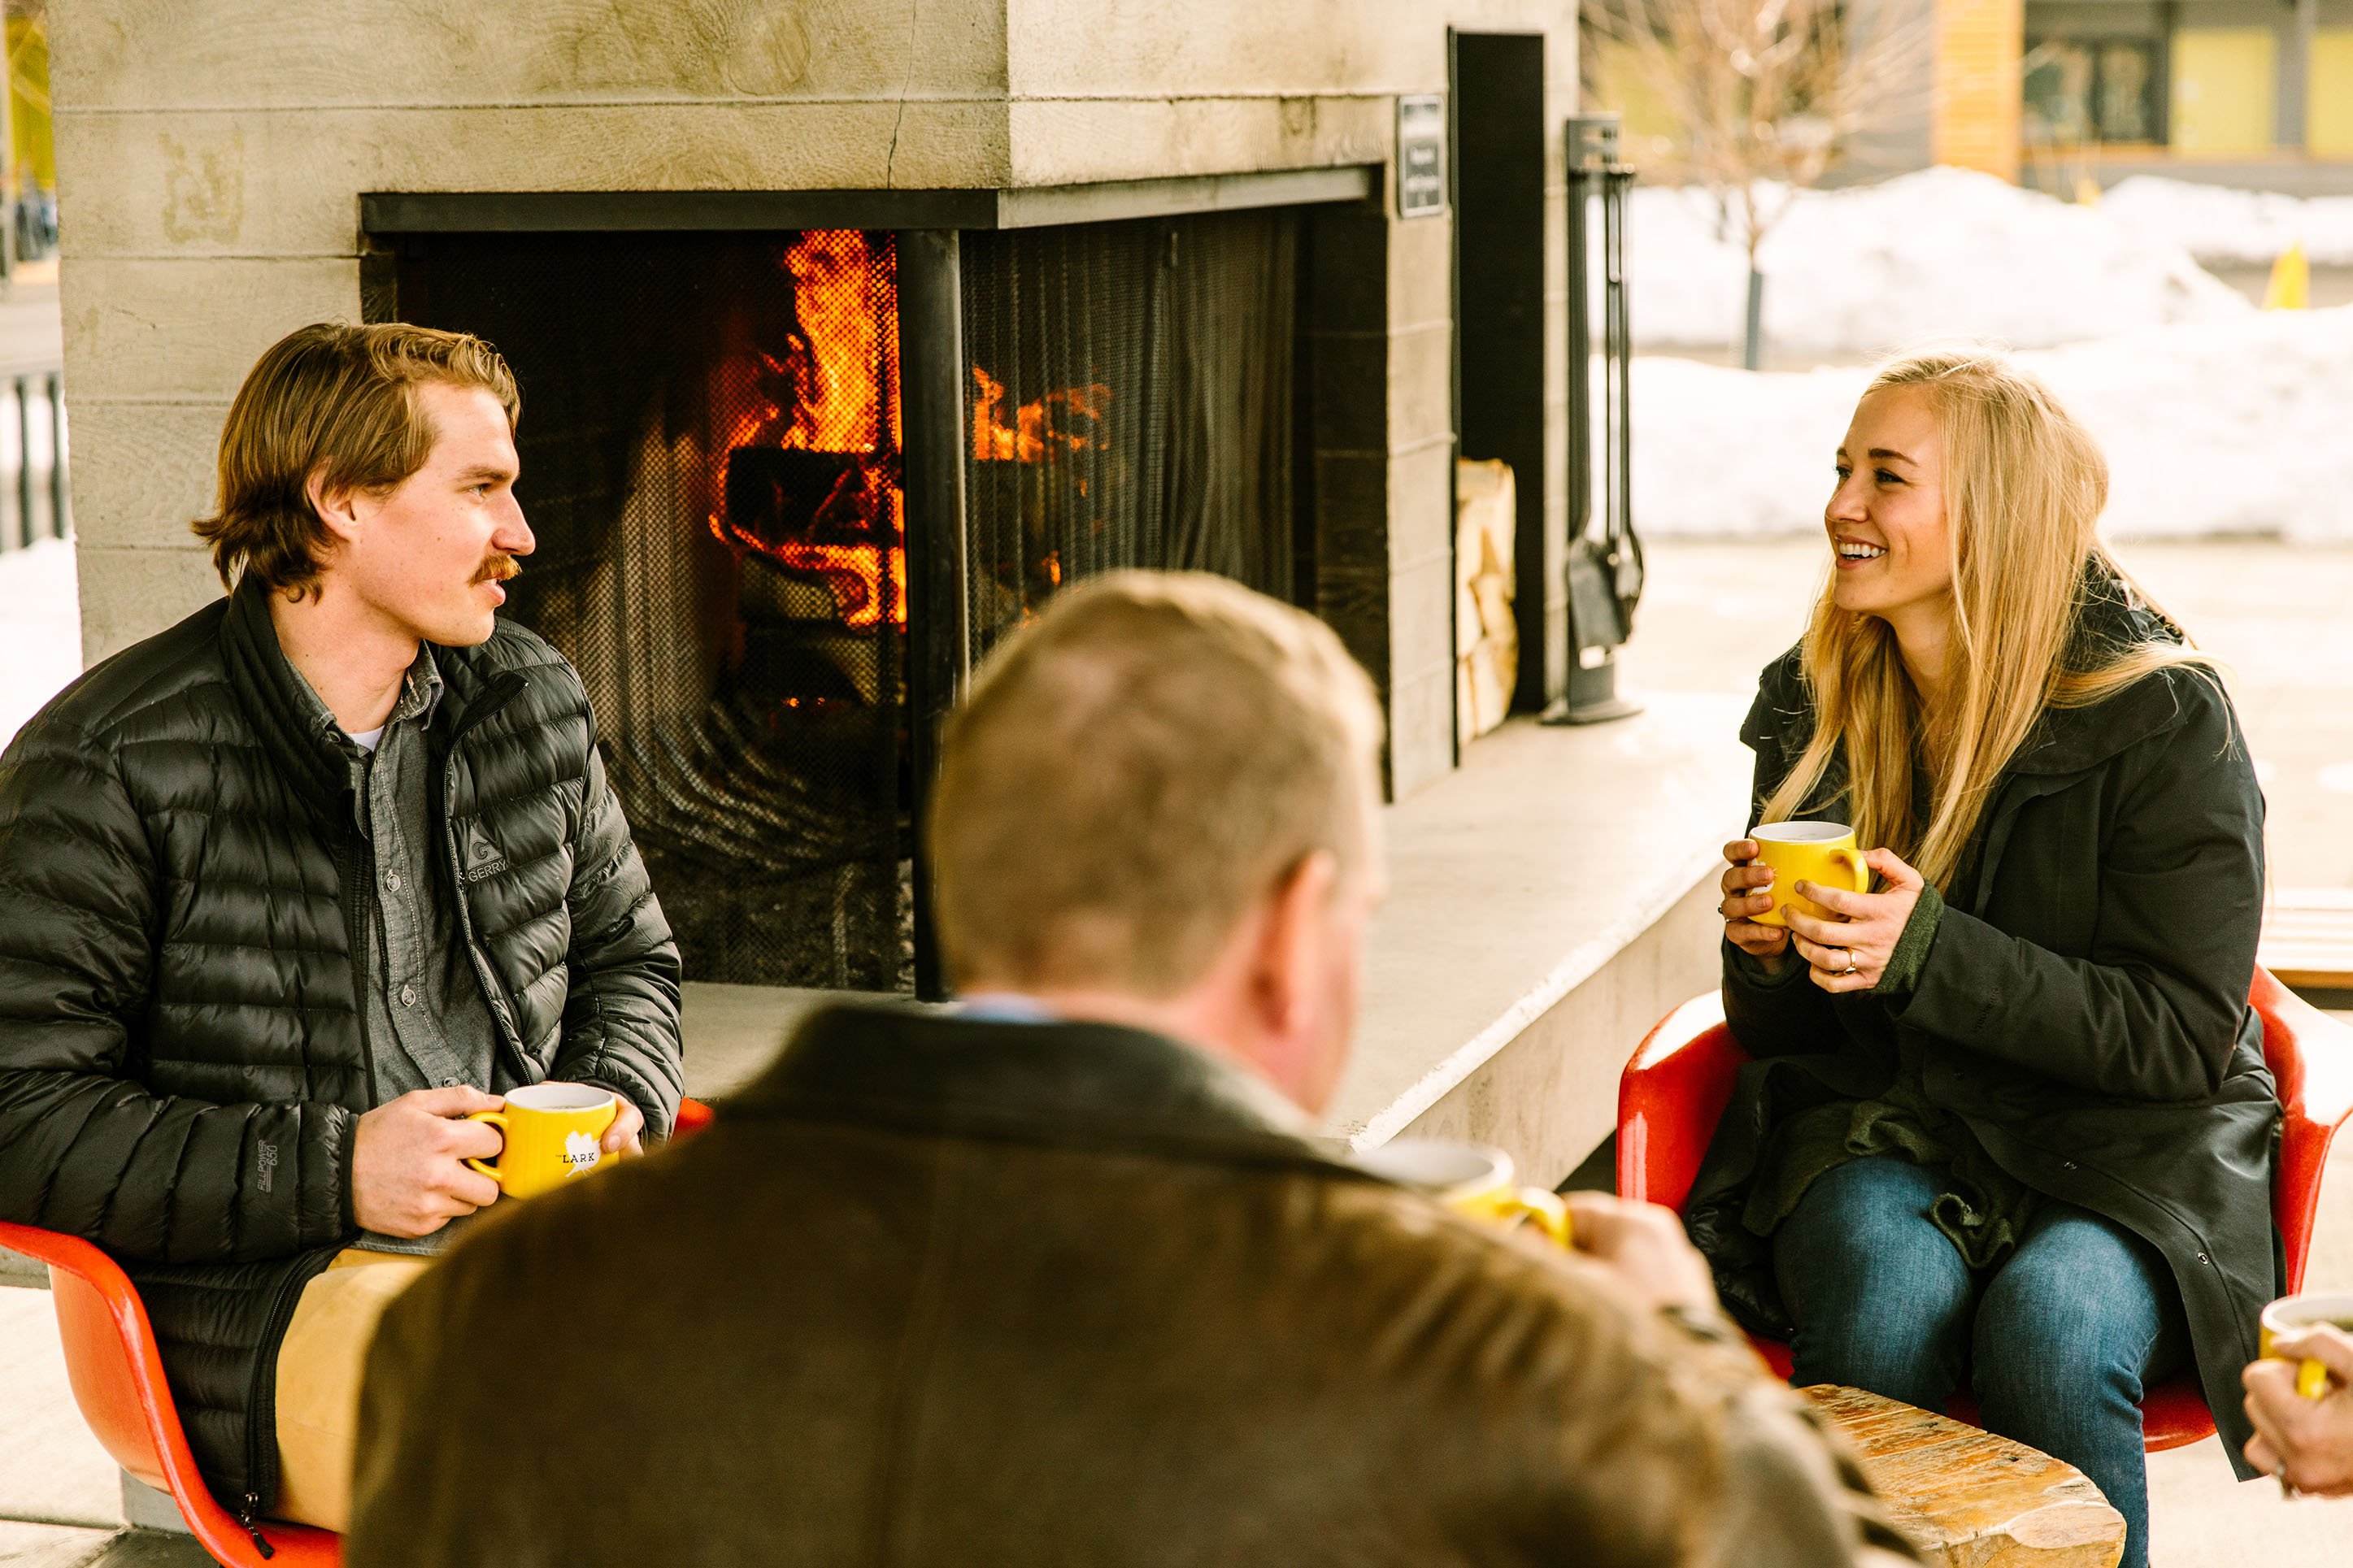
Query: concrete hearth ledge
point(1548, 902)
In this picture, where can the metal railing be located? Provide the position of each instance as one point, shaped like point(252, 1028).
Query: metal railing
point(43, 505)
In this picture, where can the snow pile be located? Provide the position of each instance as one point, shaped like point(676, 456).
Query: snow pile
point(1945, 252)
point(2218, 224)
point(2222, 427)
point(41, 630)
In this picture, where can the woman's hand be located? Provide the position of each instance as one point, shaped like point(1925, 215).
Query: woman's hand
point(1743, 897)
point(1851, 951)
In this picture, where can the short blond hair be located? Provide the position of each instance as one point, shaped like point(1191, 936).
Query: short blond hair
point(1131, 771)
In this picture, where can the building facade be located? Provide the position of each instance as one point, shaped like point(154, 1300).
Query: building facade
point(2055, 93)
point(2248, 92)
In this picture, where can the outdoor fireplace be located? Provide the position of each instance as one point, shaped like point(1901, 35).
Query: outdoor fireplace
point(1245, 293)
point(716, 452)
point(847, 337)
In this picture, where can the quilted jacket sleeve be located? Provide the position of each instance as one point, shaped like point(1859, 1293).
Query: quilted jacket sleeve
point(84, 1147)
point(622, 1019)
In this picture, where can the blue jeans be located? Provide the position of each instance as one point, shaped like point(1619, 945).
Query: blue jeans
point(2062, 1337)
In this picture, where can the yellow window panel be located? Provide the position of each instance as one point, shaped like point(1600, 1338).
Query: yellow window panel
point(2330, 121)
point(1974, 110)
point(2225, 82)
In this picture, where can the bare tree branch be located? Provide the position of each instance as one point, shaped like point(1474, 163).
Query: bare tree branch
point(1760, 93)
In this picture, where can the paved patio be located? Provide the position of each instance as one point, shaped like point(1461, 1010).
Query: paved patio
point(2281, 618)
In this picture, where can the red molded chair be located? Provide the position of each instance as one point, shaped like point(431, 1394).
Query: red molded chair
point(117, 1381)
point(1675, 1088)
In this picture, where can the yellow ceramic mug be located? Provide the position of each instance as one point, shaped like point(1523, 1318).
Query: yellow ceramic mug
point(1472, 1179)
point(1823, 853)
point(554, 1134)
point(2292, 1314)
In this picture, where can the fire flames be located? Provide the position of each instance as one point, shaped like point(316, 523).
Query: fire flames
point(1043, 431)
point(830, 387)
point(807, 414)
point(848, 298)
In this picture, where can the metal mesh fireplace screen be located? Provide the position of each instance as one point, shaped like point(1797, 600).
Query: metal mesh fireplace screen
point(1129, 404)
point(710, 448)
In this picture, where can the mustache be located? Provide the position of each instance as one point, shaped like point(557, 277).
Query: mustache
point(498, 567)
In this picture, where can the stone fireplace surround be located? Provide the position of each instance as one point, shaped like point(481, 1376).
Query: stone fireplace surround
point(214, 159)
point(221, 165)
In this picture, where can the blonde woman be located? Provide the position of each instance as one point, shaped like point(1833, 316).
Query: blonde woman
point(2010, 1128)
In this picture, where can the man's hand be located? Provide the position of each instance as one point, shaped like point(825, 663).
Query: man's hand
point(626, 1135)
point(1644, 1247)
point(2306, 1443)
point(409, 1178)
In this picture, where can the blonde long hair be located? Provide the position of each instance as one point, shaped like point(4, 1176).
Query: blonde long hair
point(2024, 486)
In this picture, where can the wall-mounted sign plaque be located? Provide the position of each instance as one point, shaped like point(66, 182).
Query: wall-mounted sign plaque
point(1421, 154)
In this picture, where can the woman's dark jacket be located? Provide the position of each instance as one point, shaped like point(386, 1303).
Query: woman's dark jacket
point(183, 1062)
point(2082, 1007)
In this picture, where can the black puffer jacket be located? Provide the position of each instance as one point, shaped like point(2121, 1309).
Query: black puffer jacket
point(182, 1064)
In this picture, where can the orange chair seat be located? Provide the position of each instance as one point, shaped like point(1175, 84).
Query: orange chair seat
point(117, 1374)
point(1676, 1086)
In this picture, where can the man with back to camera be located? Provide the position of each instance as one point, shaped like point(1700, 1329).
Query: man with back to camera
point(1055, 1279)
point(290, 889)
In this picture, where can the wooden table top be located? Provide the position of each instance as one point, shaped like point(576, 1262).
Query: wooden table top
point(2308, 938)
point(1971, 1500)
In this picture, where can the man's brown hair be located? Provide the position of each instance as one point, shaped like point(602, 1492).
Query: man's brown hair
point(340, 402)
point(1131, 771)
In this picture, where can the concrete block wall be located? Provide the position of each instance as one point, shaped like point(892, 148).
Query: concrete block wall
point(1421, 466)
point(211, 157)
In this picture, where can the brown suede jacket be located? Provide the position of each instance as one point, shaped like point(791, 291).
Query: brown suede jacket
point(941, 1292)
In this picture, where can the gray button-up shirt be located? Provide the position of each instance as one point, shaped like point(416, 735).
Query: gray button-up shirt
point(428, 1024)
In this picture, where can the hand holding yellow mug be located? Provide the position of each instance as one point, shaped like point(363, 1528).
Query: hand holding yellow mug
point(554, 1132)
point(1473, 1179)
point(2290, 1316)
point(1823, 853)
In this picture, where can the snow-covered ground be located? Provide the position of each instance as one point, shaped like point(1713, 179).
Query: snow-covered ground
point(2238, 425)
point(2218, 224)
point(1941, 253)
point(40, 629)
point(2216, 417)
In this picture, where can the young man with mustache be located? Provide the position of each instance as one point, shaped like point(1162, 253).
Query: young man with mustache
point(290, 889)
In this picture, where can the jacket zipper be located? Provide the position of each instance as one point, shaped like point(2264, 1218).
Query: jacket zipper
point(248, 1509)
point(261, 1398)
point(262, 1476)
point(356, 937)
point(500, 692)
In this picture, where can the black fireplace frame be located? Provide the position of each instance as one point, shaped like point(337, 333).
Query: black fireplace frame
point(928, 225)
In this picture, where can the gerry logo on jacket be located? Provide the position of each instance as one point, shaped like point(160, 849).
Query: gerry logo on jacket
point(581, 1153)
point(483, 857)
